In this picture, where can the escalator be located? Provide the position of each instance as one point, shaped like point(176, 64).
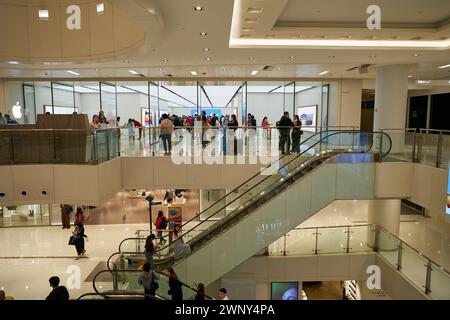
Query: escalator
point(331, 165)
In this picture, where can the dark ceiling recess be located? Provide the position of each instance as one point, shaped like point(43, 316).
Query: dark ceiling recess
point(268, 68)
point(361, 68)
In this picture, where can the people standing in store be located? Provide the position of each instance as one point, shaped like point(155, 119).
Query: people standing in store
point(296, 134)
point(266, 126)
point(95, 124)
point(138, 125)
point(148, 280)
point(65, 215)
point(10, 121)
point(130, 126)
point(161, 224)
point(285, 125)
point(149, 249)
point(58, 292)
point(200, 292)
point(3, 121)
point(175, 286)
point(166, 134)
point(102, 119)
point(233, 124)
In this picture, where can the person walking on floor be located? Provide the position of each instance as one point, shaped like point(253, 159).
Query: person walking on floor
point(161, 224)
point(175, 286)
point(65, 216)
point(166, 134)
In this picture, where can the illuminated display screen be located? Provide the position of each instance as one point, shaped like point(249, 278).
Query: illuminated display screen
point(284, 291)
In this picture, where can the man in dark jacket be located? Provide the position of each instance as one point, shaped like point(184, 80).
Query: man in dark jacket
point(285, 125)
point(58, 292)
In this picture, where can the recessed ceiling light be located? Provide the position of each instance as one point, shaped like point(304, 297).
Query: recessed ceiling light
point(165, 60)
point(372, 56)
point(126, 61)
point(443, 67)
point(423, 81)
point(13, 62)
point(331, 57)
point(291, 57)
point(224, 69)
point(251, 20)
point(73, 72)
point(279, 68)
point(206, 49)
point(198, 8)
point(208, 59)
point(409, 76)
point(43, 15)
point(254, 72)
point(132, 71)
point(251, 58)
point(324, 72)
point(416, 55)
point(247, 29)
point(100, 8)
point(254, 10)
point(194, 73)
point(203, 33)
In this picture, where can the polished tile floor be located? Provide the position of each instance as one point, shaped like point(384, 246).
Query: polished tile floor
point(30, 255)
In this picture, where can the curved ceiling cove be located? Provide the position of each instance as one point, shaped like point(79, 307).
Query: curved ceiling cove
point(67, 31)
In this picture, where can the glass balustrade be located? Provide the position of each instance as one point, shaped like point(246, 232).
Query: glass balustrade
point(425, 274)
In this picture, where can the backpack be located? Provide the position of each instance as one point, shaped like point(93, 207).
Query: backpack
point(163, 223)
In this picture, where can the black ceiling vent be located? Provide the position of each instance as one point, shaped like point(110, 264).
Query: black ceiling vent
point(169, 75)
point(268, 68)
point(361, 69)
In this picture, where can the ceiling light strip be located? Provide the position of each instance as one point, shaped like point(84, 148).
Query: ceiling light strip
point(242, 43)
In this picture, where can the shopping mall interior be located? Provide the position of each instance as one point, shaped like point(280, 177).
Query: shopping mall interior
point(300, 145)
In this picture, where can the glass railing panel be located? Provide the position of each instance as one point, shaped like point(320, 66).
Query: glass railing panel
point(301, 241)
point(387, 246)
point(101, 144)
point(360, 239)
point(439, 284)
point(445, 152)
point(72, 146)
point(6, 156)
point(414, 266)
point(113, 143)
point(429, 144)
point(402, 145)
point(332, 240)
point(34, 146)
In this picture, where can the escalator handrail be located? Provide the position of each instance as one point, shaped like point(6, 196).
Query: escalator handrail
point(107, 295)
point(139, 271)
point(268, 166)
point(299, 155)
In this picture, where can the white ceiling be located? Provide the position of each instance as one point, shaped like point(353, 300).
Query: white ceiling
point(182, 45)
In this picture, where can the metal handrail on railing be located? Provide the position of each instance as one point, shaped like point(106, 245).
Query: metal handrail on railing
point(419, 149)
point(400, 246)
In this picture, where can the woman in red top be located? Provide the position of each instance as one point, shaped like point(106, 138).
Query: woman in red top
point(265, 124)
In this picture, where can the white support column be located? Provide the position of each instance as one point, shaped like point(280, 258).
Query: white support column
point(391, 95)
point(385, 213)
